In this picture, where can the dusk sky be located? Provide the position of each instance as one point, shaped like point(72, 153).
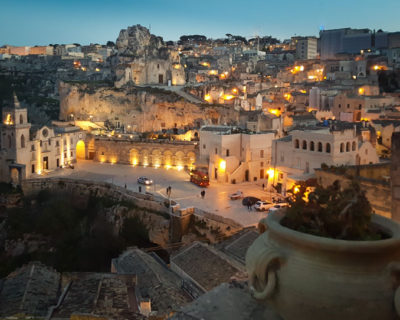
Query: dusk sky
point(41, 22)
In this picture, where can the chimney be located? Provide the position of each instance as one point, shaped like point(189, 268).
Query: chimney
point(145, 307)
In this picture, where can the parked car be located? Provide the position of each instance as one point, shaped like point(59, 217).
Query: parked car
point(278, 207)
point(144, 180)
point(262, 205)
point(237, 195)
point(250, 201)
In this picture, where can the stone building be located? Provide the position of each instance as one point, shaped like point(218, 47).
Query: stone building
point(27, 151)
point(355, 107)
point(177, 154)
point(295, 157)
point(154, 71)
point(143, 59)
point(234, 156)
point(306, 48)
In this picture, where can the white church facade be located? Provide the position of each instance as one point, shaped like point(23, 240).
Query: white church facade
point(27, 152)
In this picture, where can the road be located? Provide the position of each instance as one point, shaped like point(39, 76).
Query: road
point(184, 192)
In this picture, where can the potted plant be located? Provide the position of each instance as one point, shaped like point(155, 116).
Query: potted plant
point(327, 257)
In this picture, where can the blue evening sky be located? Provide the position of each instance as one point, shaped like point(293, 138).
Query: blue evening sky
point(41, 22)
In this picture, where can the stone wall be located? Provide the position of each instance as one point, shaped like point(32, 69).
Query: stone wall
point(83, 188)
point(377, 191)
point(157, 153)
point(395, 177)
point(207, 226)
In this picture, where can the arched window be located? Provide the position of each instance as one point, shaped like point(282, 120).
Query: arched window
point(348, 105)
point(22, 141)
point(328, 148)
point(319, 147)
point(353, 146)
point(339, 105)
point(347, 146)
point(342, 147)
point(359, 107)
point(304, 145)
point(21, 119)
point(312, 145)
point(297, 144)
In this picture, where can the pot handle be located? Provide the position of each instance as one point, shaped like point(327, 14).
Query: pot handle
point(263, 280)
point(394, 268)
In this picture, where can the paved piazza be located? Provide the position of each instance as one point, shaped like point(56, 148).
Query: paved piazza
point(183, 192)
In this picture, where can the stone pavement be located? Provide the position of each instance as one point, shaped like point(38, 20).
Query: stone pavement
point(183, 192)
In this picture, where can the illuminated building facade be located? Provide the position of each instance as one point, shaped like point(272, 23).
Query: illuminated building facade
point(295, 157)
point(235, 156)
point(26, 152)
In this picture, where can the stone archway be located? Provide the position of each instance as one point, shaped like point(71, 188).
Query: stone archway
point(17, 173)
point(167, 159)
point(144, 158)
point(134, 157)
point(15, 176)
point(190, 159)
point(156, 158)
point(80, 150)
point(179, 159)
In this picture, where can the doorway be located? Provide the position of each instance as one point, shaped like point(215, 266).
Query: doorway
point(46, 163)
point(80, 150)
point(160, 79)
point(246, 175)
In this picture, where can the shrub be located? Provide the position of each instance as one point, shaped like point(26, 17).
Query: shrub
point(332, 212)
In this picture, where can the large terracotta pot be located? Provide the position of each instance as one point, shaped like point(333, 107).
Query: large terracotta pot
point(308, 277)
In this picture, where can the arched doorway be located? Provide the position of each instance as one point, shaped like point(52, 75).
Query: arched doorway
point(15, 178)
point(134, 157)
point(246, 175)
point(80, 150)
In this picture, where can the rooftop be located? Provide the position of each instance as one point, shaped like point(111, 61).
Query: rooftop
point(154, 280)
point(236, 246)
point(102, 294)
point(205, 266)
point(31, 290)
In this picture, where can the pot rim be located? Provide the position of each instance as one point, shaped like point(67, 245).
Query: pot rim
point(304, 239)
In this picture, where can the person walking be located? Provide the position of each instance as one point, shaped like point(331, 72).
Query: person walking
point(202, 193)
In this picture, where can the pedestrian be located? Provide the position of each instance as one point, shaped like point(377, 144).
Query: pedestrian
point(263, 186)
point(249, 206)
point(203, 193)
point(125, 185)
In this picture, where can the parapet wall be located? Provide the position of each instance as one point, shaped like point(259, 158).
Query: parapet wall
point(211, 226)
point(85, 188)
point(377, 192)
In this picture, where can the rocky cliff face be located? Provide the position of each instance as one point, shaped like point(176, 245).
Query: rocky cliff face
point(136, 41)
point(144, 109)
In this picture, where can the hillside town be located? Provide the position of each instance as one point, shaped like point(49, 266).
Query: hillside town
point(202, 143)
